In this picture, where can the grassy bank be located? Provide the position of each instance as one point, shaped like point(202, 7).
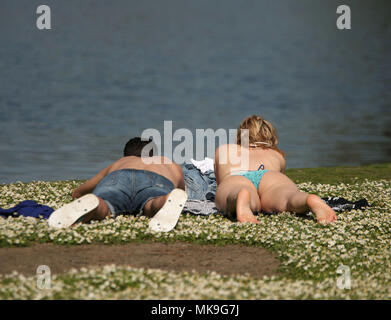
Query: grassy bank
point(336, 175)
point(310, 253)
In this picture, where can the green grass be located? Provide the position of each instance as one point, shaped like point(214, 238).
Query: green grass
point(310, 253)
point(336, 175)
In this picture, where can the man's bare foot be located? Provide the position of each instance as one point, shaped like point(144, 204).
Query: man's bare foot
point(100, 213)
point(239, 206)
point(324, 214)
point(167, 217)
point(154, 205)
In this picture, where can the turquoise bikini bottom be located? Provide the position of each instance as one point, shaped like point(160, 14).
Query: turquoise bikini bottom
point(254, 176)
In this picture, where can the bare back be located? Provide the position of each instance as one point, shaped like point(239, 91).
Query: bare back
point(227, 160)
point(160, 165)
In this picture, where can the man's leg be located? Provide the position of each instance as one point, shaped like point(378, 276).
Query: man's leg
point(165, 210)
point(154, 205)
point(100, 213)
point(86, 208)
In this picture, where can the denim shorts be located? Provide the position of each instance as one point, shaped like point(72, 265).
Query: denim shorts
point(126, 191)
point(199, 186)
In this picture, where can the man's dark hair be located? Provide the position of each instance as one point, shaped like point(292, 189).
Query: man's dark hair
point(134, 147)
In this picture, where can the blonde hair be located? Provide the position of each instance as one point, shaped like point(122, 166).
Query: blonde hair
point(261, 133)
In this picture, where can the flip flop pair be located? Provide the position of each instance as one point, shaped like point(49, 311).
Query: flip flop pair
point(164, 220)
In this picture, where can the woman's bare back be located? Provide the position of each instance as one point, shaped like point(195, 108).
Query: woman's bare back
point(231, 158)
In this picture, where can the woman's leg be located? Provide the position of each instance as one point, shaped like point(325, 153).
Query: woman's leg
point(279, 193)
point(237, 197)
point(324, 214)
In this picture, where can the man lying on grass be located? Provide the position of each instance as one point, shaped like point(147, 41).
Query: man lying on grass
point(135, 184)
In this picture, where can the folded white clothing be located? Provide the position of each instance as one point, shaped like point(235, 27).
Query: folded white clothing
point(204, 165)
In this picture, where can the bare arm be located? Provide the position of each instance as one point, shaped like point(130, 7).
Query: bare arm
point(182, 184)
point(181, 177)
point(216, 164)
point(90, 184)
point(222, 164)
point(283, 165)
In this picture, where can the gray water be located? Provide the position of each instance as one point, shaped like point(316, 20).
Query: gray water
point(71, 97)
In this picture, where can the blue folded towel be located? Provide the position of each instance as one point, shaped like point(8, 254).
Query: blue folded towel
point(27, 208)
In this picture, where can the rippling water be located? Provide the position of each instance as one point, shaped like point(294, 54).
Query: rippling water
point(71, 97)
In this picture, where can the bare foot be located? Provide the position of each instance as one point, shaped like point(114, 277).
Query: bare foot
point(154, 205)
point(324, 214)
point(239, 206)
point(100, 213)
point(245, 215)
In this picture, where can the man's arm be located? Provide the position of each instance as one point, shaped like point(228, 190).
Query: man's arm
point(90, 185)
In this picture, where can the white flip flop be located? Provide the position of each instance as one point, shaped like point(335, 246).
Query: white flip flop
point(167, 217)
point(70, 213)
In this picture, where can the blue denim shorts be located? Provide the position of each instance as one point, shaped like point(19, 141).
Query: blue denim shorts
point(126, 191)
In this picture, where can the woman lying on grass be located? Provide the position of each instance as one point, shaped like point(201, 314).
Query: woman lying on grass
point(250, 177)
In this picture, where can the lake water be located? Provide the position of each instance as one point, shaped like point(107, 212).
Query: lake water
point(71, 97)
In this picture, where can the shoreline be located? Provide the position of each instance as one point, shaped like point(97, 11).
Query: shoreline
point(325, 175)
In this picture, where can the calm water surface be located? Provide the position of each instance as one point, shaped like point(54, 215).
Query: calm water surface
point(71, 97)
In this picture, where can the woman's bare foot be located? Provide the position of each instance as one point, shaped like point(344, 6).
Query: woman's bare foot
point(239, 206)
point(324, 214)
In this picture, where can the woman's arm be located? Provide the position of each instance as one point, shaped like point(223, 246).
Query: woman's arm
point(216, 165)
point(226, 160)
point(90, 185)
point(283, 165)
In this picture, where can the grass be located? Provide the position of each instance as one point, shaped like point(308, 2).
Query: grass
point(310, 253)
point(336, 175)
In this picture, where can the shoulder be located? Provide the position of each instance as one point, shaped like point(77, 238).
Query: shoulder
point(120, 161)
point(228, 147)
point(127, 159)
point(222, 150)
point(157, 160)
